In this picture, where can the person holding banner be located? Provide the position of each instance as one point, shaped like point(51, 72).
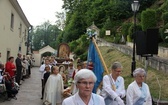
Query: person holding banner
point(113, 86)
point(84, 81)
point(138, 92)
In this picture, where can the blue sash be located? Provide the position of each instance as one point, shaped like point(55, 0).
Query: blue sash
point(108, 100)
point(142, 98)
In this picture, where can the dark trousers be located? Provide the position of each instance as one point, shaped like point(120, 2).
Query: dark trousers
point(29, 70)
point(10, 90)
point(42, 85)
point(18, 75)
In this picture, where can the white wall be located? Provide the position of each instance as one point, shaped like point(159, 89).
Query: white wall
point(10, 39)
point(37, 58)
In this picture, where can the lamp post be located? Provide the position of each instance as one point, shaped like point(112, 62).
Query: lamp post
point(135, 7)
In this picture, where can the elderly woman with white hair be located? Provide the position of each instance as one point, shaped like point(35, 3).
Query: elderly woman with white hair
point(113, 86)
point(138, 92)
point(84, 81)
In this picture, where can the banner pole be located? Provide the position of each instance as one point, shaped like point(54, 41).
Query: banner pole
point(101, 57)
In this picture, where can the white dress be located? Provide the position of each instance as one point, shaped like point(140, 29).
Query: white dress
point(107, 90)
point(76, 100)
point(134, 93)
point(53, 89)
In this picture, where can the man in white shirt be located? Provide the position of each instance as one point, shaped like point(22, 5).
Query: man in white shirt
point(113, 86)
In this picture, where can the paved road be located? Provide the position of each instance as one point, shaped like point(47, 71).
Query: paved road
point(30, 91)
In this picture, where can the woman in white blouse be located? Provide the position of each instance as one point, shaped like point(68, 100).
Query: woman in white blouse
point(138, 92)
point(113, 86)
point(84, 81)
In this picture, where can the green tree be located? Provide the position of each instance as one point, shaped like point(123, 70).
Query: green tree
point(45, 34)
point(165, 17)
point(125, 29)
point(148, 19)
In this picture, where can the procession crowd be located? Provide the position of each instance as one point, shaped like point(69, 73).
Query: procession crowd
point(74, 85)
point(12, 72)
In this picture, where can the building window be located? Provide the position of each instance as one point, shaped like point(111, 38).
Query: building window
point(25, 36)
point(12, 21)
point(20, 32)
point(8, 55)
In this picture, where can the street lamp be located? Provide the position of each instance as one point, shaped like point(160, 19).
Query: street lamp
point(135, 7)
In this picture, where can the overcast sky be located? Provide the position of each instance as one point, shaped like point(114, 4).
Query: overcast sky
point(39, 11)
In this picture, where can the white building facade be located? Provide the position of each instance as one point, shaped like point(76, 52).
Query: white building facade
point(14, 28)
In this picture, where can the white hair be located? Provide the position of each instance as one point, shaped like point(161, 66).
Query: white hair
point(139, 71)
point(116, 65)
point(84, 74)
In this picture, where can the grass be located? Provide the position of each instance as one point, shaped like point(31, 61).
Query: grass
point(111, 55)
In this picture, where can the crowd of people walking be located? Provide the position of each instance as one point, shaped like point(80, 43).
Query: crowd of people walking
point(81, 79)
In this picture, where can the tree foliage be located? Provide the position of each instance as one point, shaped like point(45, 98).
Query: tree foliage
point(81, 13)
point(45, 34)
point(164, 33)
point(106, 14)
point(148, 19)
point(165, 17)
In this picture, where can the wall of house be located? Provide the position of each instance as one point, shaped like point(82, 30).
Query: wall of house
point(11, 39)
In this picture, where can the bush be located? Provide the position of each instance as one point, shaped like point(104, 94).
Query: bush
point(148, 19)
point(164, 35)
point(124, 29)
point(130, 31)
point(83, 57)
point(165, 17)
point(109, 38)
point(102, 33)
point(117, 39)
point(158, 14)
point(129, 38)
point(73, 45)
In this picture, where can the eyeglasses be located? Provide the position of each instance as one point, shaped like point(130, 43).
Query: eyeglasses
point(86, 83)
point(140, 76)
point(118, 71)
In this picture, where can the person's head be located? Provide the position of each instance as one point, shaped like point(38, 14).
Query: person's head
point(84, 81)
point(11, 59)
point(47, 61)
point(55, 70)
point(139, 75)
point(61, 69)
point(27, 57)
point(47, 68)
point(19, 55)
point(79, 66)
point(1, 66)
point(116, 68)
point(84, 64)
point(71, 65)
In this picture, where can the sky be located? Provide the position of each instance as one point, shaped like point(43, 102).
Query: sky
point(39, 11)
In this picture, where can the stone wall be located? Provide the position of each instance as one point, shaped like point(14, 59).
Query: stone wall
point(156, 62)
point(162, 51)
